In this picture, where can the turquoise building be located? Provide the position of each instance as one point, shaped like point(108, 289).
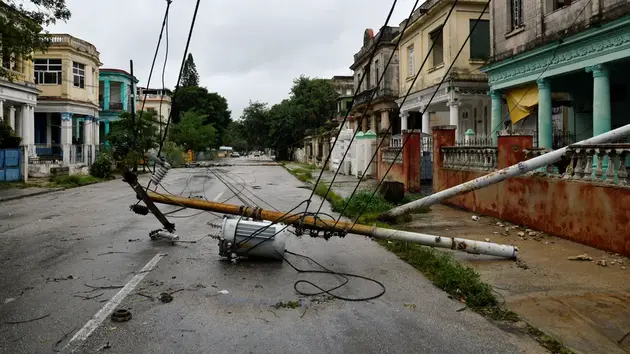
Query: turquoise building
point(117, 90)
point(559, 70)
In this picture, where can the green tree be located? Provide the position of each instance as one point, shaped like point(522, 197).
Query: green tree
point(255, 120)
point(314, 100)
point(190, 76)
point(235, 136)
point(132, 138)
point(192, 133)
point(283, 129)
point(21, 25)
point(211, 104)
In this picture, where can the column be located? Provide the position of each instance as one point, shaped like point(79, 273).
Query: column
point(364, 124)
point(106, 95)
point(30, 118)
point(12, 117)
point(403, 120)
point(96, 126)
point(25, 131)
point(87, 140)
point(373, 125)
point(66, 136)
point(601, 99)
point(48, 129)
point(545, 137)
point(384, 120)
point(453, 118)
point(2, 111)
point(105, 132)
point(123, 96)
point(425, 121)
point(496, 113)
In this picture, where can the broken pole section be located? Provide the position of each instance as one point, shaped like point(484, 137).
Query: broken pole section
point(503, 174)
point(342, 227)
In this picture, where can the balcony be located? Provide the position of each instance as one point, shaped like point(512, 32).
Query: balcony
point(365, 95)
point(66, 39)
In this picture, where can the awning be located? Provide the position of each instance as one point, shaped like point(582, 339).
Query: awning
point(523, 100)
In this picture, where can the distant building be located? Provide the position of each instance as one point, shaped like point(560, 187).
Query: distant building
point(158, 100)
point(67, 111)
point(344, 86)
point(116, 95)
point(376, 116)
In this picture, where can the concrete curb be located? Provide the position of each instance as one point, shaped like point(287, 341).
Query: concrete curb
point(16, 197)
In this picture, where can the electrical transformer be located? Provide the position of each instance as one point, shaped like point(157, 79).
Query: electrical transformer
point(240, 237)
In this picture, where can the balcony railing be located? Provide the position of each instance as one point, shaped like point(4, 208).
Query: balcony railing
point(605, 163)
point(66, 39)
point(156, 96)
point(389, 154)
point(396, 141)
point(115, 106)
point(471, 158)
point(365, 96)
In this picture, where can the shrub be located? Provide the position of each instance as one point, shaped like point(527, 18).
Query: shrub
point(102, 167)
point(174, 154)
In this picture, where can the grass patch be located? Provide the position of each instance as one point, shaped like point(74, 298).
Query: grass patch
point(72, 181)
point(464, 284)
point(11, 185)
point(303, 174)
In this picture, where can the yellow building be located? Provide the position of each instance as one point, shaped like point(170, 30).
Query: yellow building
point(462, 99)
point(66, 116)
point(157, 100)
point(18, 94)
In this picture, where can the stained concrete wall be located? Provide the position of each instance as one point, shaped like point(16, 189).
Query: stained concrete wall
point(594, 214)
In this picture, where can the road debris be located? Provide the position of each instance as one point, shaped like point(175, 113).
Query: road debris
point(121, 315)
point(602, 262)
point(521, 264)
point(411, 306)
point(581, 257)
point(520, 234)
point(56, 280)
point(475, 218)
point(487, 239)
point(110, 252)
point(166, 297)
point(145, 295)
point(106, 346)
point(623, 268)
point(532, 233)
point(88, 297)
point(223, 292)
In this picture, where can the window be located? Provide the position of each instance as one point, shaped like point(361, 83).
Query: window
point(78, 73)
point(377, 72)
point(411, 58)
point(517, 13)
point(438, 46)
point(348, 92)
point(480, 40)
point(558, 4)
point(48, 71)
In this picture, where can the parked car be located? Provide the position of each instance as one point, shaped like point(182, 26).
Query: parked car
point(235, 154)
point(256, 154)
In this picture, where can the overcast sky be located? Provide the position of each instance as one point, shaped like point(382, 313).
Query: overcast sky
point(244, 49)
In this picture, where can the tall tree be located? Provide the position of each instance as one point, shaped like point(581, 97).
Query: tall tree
point(235, 136)
point(192, 134)
point(131, 138)
point(256, 124)
point(211, 104)
point(20, 25)
point(190, 76)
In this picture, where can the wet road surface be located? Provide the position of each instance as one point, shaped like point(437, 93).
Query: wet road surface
point(57, 249)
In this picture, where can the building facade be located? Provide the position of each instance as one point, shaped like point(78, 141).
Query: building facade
point(344, 87)
point(461, 99)
point(67, 112)
point(116, 95)
point(18, 94)
point(375, 115)
point(158, 100)
point(558, 67)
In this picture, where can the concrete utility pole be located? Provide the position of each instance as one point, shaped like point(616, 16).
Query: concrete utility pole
point(503, 174)
point(341, 228)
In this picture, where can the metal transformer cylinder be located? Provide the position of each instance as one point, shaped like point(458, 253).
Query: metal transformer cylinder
point(248, 238)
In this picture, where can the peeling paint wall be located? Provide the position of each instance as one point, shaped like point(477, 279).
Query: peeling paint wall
point(593, 214)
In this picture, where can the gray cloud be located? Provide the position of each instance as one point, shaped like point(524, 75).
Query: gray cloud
point(244, 49)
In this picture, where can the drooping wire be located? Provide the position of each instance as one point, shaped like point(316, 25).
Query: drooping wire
point(427, 106)
point(367, 106)
point(560, 42)
point(179, 77)
point(356, 92)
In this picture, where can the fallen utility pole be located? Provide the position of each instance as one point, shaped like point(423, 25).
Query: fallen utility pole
point(503, 174)
point(340, 228)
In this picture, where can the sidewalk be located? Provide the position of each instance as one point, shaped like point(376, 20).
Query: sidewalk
point(19, 193)
point(584, 304)
point(343, 185)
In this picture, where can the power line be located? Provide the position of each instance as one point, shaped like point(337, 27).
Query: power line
point(367, 106)
point(179, 77)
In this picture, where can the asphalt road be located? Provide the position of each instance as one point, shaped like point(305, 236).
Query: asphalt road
point(53, 246)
